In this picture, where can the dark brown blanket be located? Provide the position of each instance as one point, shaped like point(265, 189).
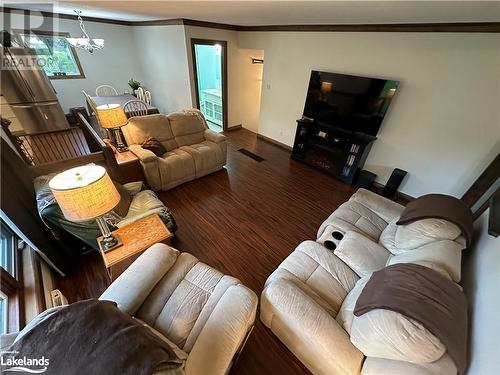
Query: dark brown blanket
point(422, 294)
point(439, 206)
point(94, 337)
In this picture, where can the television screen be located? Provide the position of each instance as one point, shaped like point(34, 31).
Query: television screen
point(349, 102)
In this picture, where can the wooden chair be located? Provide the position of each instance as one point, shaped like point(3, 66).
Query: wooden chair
point(105, 90)
point(135, 107)
point(140, 94)
point(147, 97)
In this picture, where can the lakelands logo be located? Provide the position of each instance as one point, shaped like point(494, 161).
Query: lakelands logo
point(10, 363)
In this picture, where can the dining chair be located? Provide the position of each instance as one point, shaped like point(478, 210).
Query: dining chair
point(135, 107)
point(147, 97)
point(105, 90)
point(91, 106)
point(140, 94)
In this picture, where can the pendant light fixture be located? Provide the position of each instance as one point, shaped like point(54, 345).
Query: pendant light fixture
point(87, 43)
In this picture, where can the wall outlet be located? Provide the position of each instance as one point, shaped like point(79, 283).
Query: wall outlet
point(268, 86)
point(281, 131)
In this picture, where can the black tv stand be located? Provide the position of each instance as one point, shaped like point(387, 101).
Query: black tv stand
point(335, 150)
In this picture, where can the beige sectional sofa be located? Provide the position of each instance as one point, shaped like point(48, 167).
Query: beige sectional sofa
point(308, 301)
point(192, 150)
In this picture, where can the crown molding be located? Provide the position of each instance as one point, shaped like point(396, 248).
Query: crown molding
point(456, 27)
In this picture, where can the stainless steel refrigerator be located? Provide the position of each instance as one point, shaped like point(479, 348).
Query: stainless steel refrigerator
point(30, 93)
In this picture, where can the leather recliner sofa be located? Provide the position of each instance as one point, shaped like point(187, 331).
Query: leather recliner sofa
point(192, 150)
point(308, 302)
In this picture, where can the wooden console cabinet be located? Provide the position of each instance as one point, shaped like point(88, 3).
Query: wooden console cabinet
point(336, 151)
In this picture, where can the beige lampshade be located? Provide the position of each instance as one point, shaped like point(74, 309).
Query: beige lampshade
point(111, 116)
point(84, 193)
point(326, 87)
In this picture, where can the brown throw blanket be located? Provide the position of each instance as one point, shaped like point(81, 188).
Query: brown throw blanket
point(439, 206)
point(422, 294)
point(94, 337)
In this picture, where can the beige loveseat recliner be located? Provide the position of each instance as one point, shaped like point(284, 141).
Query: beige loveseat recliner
point(192, 150)
point(308, 301)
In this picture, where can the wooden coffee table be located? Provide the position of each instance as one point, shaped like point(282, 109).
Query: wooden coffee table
point(136, 238)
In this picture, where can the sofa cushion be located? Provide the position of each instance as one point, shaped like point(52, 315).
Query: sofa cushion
point(421, 232)
point(346, 313)
point(319, 273)
point(207, 156)
point(188, 127)
point(363, 255)
point(176, 167)
point(388, 334)
point(182, 301)
point(354, 216)
point(443, 256)
point(140, 128)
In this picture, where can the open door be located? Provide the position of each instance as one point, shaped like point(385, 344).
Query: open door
point(210, 76)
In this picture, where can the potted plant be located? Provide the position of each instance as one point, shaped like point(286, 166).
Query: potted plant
point(134, 85)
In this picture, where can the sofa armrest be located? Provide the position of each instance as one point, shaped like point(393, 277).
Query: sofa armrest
point(132, 287)
point(308, 330)
point(212, 136)
point(223, 333)
point(383, 207)
point(150, 164)
point(146, 156)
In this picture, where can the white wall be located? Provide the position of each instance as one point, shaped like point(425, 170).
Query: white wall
point(162, 54)
point(481, 280)
point(444, 124)
point(244, 82)
point(113, 65)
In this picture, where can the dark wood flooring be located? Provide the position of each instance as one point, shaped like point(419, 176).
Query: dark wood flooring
point(244, 221)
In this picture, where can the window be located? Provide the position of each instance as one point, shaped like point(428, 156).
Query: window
point(11, 284)
point(209, 107)
point(57, 57)
point(218, 112)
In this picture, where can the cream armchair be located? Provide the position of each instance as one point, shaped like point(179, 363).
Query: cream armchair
point(192, 150)
point(206, 314)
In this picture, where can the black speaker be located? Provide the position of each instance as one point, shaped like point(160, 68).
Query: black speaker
point(391, 187)
point(366, 179)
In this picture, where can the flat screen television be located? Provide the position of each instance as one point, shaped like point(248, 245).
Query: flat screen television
point(353, 103)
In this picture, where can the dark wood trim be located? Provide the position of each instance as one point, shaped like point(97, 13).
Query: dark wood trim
point(274, 142)
point(233, 128)
point(211, 42)
point(494, 215)
point(211, 25)
point(465, 27)
point(481, 185)
point(170, 22)
point(445, 27)
point(73, 50)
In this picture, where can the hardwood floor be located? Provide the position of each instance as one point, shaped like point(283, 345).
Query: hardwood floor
point(243, 221)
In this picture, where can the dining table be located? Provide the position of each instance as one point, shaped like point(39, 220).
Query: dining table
point(121, 100)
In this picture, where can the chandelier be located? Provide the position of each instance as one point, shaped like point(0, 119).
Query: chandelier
point(87, 43)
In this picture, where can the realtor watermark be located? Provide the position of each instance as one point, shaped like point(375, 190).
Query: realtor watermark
point(27, 62)
point(9, 362)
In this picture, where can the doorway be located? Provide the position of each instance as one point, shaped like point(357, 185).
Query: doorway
point(210, 77)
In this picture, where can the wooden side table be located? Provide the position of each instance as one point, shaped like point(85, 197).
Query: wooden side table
point(136, 238)
point(128, 163)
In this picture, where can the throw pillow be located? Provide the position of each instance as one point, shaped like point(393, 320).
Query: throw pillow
point(125, 200)
point(154, 145)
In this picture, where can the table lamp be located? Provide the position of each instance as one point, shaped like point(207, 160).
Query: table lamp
point(86, 193)
point(112, 116)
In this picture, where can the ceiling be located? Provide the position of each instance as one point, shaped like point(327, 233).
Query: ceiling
point(281, 12)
